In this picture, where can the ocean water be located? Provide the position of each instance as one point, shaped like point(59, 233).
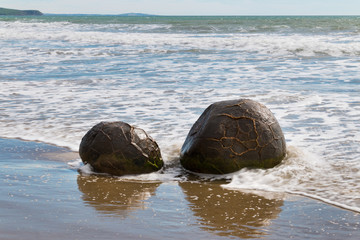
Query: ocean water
point(61, 75)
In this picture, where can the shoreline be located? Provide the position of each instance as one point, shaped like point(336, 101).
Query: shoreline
point(66, 155)
point(64, 74)
point(86, 205)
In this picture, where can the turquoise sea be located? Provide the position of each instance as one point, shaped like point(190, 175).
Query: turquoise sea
point(62, 74)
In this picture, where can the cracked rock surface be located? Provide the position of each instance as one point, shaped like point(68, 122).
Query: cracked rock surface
point(118, 148)
point(231, 135)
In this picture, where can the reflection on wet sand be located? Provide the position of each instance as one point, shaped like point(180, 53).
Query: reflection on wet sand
point(218, 211)
point(228, 212)
point(113, 196)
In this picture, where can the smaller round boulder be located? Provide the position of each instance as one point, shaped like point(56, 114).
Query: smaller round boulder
point(118, 148)
point(231, 135)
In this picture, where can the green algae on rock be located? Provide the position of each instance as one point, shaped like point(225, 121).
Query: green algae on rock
point(231, 135)
point(118, 148)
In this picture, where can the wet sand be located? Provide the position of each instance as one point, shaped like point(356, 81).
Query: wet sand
point(42, 197)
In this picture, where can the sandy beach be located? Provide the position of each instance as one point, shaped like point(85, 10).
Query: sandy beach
point(42, 197)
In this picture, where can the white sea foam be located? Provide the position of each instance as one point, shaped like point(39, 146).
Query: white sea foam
point(62, 34)
point(86, 169)
point(304, 174)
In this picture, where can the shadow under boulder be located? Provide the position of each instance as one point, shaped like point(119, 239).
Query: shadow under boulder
point(118, 148)
point(231, 135)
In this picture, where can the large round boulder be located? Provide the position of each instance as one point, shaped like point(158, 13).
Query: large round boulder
point(118, 148)
point(231, 135)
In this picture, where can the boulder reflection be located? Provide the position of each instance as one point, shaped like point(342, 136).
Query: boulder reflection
point(229, 212)
point(112, 196)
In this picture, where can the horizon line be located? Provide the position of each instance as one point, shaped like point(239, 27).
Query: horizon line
point(134, 14)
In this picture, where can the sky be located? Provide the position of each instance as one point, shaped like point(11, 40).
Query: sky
point(190, 7)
